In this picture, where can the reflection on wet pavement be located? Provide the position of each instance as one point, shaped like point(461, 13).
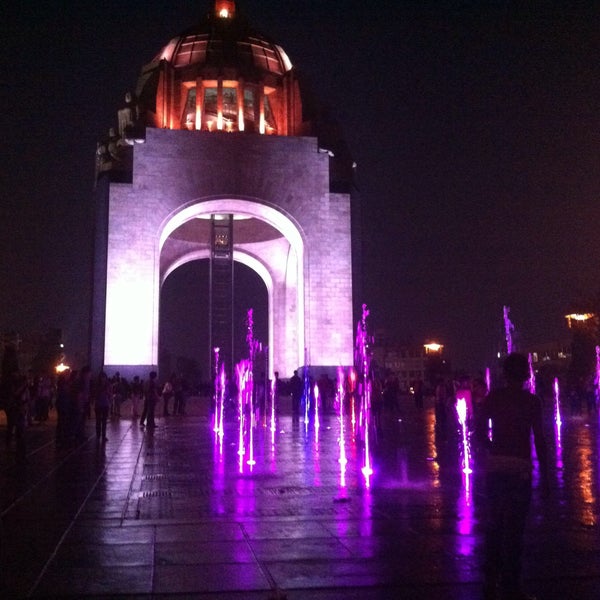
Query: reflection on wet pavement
point(180, 511)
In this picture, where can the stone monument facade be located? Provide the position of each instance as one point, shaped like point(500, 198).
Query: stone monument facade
point(219, 127)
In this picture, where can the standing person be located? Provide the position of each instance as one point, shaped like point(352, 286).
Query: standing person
point(167, 394)
point(81, 402)
point(297, 390)
point(32, 407)
point(117, 394)
point(62, 410)
point(137, 393)
point(177, 395)
point(419, 393)
point(102, 405)
point(45, 389)
point(442, 400)
point(515, 413)
point(151, 397)
point(18, 407)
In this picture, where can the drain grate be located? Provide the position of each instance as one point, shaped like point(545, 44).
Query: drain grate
point(154, 477)
point(155, 494)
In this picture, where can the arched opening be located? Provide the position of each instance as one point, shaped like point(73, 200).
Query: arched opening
point(183, 320)
point(266, 241)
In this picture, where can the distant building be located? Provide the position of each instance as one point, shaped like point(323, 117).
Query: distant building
point(410, 362)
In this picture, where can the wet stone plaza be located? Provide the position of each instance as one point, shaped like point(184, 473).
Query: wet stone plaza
point(176, 513)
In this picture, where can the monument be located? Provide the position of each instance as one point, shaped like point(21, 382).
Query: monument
point(221, 154)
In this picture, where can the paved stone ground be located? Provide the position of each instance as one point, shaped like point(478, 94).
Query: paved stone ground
point(171, 514)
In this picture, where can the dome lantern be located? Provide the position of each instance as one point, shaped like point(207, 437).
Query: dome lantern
point(224, 9)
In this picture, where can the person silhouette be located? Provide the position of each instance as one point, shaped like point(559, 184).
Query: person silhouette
point(515, 414)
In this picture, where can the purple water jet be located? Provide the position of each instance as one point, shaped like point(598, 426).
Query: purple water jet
point(557, 417)
point(508, 330)
point(597, 376)
point(531, 374)
point(362, 360)
point(461, 411)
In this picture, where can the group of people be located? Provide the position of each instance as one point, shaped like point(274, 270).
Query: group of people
point(27, 399)
point(503, 423)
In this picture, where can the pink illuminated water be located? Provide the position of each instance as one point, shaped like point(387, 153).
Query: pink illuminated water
point(597, 377)
point(342, 442)
point(216, 391)
point(508, 329)
point(352, 392)
point(557, 417)
point(242, 377)
point(221, 404)
point(461, 411)
point(253, 346)
point(531, 374)
point(357, 431)
point(272, 393)
point(362, 360)
point(316, 393)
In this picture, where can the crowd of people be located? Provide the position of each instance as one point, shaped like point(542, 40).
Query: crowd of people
point(79, 396)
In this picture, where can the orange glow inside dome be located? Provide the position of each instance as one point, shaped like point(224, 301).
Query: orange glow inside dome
point(225, 9)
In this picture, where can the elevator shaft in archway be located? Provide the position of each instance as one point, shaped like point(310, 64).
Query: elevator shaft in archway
point(221, 292)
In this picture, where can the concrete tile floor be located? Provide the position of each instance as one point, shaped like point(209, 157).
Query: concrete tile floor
point(171, 514)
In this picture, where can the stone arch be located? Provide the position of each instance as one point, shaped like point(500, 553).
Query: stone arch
point(253, 263)
point(284, 322)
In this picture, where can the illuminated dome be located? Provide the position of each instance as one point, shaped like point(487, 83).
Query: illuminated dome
point(222, 75)
point(221, 42)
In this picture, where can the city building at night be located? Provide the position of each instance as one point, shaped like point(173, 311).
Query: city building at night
point(221, 155)
point(410, 362)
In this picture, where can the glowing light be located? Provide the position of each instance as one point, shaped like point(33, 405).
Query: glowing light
point(225, 9)
point(287, 63)
point(461, 411)
point(557, 417)
point(131, 313)
point(433, 347)
point(488, 379)
point(578, 317)
point(61, 368)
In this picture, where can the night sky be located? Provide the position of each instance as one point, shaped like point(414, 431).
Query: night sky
point(475, 128)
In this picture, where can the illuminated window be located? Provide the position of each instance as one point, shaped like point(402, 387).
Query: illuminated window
point(192, 50)
point(249, 109)
point(269, 117)
point(230, 107)
point(188, 120)
point(210, 101)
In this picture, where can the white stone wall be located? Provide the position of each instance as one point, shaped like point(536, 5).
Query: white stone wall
point(176, 170)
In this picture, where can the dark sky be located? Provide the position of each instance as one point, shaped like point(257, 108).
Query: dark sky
point(475, 127)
